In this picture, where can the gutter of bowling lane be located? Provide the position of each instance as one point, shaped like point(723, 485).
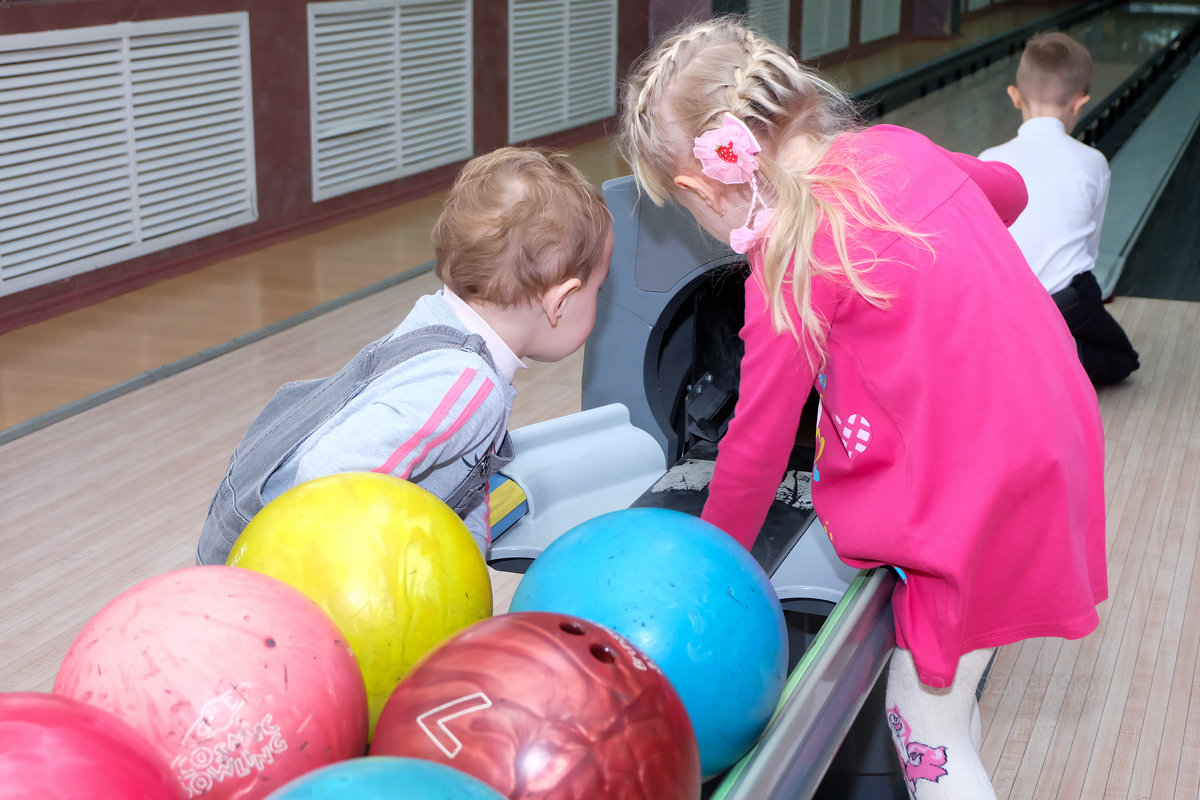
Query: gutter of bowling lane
point(823, 696)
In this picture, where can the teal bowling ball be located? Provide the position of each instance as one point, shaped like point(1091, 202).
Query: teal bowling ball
point(688, 596)
point(385, 778)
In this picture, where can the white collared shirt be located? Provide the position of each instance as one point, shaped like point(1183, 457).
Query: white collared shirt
point(1059, 231)
point(506, 360)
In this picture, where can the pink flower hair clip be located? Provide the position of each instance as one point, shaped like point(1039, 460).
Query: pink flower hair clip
point(727, 154)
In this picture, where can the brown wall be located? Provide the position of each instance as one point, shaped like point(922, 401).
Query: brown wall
point(932, 18)
point(279, 67)
point(666, 14)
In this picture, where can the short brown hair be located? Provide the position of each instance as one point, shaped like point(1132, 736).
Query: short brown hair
point(518, 221)
point(1054, 68)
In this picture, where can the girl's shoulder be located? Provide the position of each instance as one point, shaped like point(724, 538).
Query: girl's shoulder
point(909, 174)
point(884, 142)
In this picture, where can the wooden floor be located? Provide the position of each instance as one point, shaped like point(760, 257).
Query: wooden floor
point(1117, 715)
point(865, 70)
point(117, 493)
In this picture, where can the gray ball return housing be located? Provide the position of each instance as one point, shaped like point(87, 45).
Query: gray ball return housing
point(659, 384)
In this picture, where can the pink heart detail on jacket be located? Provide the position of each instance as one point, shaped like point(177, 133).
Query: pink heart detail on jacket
point(855, 433)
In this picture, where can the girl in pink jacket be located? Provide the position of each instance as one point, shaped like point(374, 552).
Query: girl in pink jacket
point(959, 440)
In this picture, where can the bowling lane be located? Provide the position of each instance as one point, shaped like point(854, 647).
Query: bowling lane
point(975, 113)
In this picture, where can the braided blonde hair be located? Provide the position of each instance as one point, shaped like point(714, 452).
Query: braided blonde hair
point(688, 83)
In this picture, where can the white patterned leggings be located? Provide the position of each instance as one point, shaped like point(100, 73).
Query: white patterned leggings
point(937, 731)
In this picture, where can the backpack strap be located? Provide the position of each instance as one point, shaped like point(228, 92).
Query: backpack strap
point(388, 353)
point(293, 413)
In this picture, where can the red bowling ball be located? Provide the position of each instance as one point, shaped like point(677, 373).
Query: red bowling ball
point(55, 748)
point(545, 706)
point(239, 681)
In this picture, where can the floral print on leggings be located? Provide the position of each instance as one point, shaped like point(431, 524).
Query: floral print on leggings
point(920, 761)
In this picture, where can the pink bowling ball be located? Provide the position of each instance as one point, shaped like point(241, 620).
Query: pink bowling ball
point(56, 748)
point(239, 681)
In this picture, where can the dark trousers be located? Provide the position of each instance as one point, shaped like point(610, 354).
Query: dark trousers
point(1104, 349)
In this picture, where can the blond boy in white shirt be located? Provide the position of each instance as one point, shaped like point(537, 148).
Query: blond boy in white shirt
point(1059, 231)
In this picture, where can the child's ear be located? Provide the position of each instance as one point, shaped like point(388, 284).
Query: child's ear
point(701, 189)
point(554, 300)
point(1078, 103)
point(1014, 94)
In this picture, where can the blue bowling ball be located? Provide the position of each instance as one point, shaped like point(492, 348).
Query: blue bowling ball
point(385, 778)
point(688, 596)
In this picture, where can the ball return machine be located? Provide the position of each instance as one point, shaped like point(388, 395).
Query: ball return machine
point(659, 385)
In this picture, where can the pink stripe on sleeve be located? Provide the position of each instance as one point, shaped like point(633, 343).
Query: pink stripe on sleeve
point(431, 424)
point(472, 406)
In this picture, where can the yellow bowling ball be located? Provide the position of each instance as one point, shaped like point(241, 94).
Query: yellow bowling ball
point(395, 568)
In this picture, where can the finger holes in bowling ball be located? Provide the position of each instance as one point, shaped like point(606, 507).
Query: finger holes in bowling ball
point(603, 654)
point(571, 628)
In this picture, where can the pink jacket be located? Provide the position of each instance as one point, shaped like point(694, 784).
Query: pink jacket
point(959, 438)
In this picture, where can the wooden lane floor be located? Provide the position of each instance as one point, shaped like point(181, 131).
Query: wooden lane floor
point(117, 494)
point(864, 70)
point(1117, 714)
point(975, 113)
